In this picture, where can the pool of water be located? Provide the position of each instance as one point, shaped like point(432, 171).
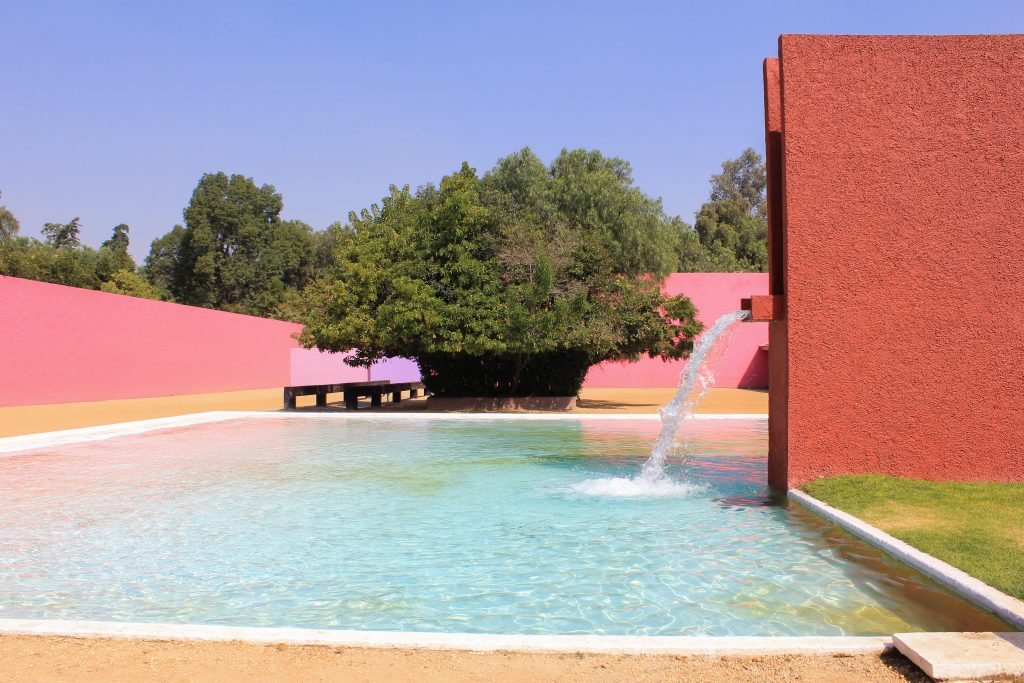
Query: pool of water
point(498, 526)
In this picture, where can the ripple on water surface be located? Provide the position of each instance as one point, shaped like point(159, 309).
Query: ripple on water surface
point(526, 526)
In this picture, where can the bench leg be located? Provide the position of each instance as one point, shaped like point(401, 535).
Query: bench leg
point(351, 400)
point(289, 400)
point(321, 398)
point(375, 398)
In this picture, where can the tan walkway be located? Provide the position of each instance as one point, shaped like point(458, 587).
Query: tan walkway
point(99, 660)
point(33, 419)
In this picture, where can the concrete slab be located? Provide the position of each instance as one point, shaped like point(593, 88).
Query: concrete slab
point(964, 656)
point(718, 646)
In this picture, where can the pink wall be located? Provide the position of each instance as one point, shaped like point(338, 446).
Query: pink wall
point(313, 366)
point(714, 294)
point(396, 370)
point(63, 344)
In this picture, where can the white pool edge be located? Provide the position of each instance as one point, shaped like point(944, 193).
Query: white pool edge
point(1009, 608)
point(13, 444)
point(475, 642)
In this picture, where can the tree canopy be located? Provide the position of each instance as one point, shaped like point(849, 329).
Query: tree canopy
point(581, 214)
point(9, 225)
point(731, 230)
point(513, 283)
point(234, 252)
point(63, 260)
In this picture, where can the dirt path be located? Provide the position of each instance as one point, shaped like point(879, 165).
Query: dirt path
point(96, 660)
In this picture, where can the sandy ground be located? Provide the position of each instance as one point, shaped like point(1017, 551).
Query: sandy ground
point(95, 660)
point(33, 419)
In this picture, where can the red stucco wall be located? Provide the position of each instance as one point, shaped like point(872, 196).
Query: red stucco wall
point(902, 177)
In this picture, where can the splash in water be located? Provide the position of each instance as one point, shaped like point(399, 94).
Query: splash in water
point(694, 382)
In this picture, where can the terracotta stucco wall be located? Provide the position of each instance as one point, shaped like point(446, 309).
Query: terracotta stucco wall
point(902, 177)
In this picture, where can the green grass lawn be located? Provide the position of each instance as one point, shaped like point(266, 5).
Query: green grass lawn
point(976, 527)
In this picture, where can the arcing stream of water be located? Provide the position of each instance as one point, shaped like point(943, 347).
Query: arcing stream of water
point(694, 382)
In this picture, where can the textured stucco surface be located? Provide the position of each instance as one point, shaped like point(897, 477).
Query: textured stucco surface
point(903, 169)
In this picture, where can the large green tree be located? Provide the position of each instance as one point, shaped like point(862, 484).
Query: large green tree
point(162, 261)
point(733, 226)
point(515, 283)
point(731, 230)
point(744, 181)
point(234, 252)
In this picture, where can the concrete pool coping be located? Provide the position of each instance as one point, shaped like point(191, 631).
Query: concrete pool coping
point(1009, 608)
point(474, 642)
point(605, 644)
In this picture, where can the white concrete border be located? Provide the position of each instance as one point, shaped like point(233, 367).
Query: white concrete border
point(1009, 608)
point(477, 642)
point(14, 444)
point(68, 436)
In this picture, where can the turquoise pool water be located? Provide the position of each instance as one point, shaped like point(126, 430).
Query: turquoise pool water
point(500, 526)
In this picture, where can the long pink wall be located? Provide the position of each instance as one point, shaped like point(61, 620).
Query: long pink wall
point(63, 344)
point(714, 294)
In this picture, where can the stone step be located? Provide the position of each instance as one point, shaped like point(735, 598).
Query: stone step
point(964, 656)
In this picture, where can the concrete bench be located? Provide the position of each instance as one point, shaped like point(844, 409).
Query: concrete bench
point(376, 392)
point(321, 391)
point(353, 391)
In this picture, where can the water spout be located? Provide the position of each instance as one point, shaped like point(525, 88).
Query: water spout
point(764, 308)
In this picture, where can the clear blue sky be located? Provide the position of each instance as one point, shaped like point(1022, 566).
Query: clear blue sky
point(112, 111)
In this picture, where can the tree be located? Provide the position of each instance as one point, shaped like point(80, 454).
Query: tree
point(113, 254)
point(234, 253)
point(732, 228)
point(507, 285)
point(9, 225)
point(326, 244)
point(26, 258)
point(743, 180)
point(161, 263)
point(62, 235)
point(130, 283)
